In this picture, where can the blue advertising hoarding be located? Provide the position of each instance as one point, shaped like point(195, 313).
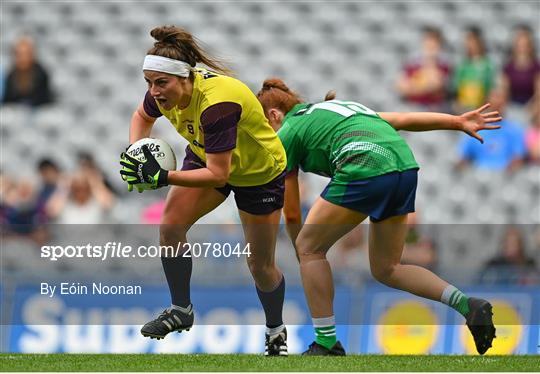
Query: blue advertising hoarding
point(230, 320)
point(399, 323)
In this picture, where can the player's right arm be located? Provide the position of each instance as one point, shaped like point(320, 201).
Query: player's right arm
point(142, 122)
point(141, 125)
point(143, 119)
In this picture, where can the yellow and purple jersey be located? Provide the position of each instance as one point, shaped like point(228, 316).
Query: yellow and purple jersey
point(225, 115)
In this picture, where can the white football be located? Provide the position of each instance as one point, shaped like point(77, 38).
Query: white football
point(160, 149)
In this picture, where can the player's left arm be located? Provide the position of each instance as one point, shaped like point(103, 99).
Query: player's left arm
point(469, 122)
point(215, 174)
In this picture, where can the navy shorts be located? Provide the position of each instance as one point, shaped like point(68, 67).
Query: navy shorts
point(380, 197)
point(258, 200)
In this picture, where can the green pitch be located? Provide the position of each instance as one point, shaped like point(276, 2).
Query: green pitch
point(168, 362)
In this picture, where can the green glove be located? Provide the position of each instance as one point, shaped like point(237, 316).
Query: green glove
point(124, 178)
point(144, 175)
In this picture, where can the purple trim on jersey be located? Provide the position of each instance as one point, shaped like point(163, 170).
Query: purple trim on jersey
point(150, 106)
point(192, 161)
point(219, 123)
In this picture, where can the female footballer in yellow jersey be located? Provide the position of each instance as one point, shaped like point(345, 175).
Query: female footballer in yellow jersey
point(231, 148)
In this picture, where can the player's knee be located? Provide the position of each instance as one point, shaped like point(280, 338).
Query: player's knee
point(306, 250)
point(260, 269)
point(383, 273)
point(308, 256)
point(170, 234)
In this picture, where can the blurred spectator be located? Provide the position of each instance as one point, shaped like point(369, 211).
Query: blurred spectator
point(536, 245)
point(49, 173)
point(2, 82)
point(27, 82)
point(532, 135)
point(88, 164)
point(474, 76)
point(521, 73)
point(7, 187)
point(6, 184)
point(419, 249)
point(20, 211)
point(425, 80)
point(502, 149)
point(532, 140)
point(511, 266)
point(349, 257)
point(81, 199)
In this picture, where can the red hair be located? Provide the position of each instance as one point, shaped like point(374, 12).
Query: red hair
point(275, 94)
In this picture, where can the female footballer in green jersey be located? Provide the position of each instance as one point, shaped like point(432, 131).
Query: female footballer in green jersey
point(231, 148)
point(373, 174)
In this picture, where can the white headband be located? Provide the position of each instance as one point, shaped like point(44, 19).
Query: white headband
point(166, 65)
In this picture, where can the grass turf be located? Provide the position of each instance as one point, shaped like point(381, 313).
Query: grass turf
point(168, 362)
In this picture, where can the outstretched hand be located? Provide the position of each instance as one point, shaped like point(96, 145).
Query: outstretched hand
point(475, 120)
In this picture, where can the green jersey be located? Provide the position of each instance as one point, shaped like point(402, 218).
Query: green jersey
point(344, 140)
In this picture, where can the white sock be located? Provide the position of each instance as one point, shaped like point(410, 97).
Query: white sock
point(323, 322)
point(275, 330)
point(448, 291)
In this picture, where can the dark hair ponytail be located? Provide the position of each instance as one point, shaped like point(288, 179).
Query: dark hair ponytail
point(178, 44)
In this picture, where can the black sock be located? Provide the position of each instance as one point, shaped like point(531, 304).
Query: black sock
point(178, 273)
point(272, 303)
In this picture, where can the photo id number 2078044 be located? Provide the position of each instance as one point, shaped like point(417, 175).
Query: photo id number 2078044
point(216, 250)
